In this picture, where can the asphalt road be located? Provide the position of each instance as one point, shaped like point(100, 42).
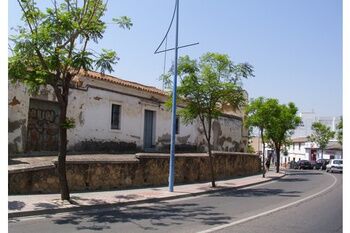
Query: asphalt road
point(303, 201)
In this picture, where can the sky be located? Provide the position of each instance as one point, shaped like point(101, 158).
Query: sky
point(295, 46)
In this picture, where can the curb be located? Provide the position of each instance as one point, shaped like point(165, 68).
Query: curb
point(121, 204)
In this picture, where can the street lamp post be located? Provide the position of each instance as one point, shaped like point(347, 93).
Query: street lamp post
point(173, 116)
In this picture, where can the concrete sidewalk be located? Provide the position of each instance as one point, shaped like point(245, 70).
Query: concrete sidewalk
point(36, 204)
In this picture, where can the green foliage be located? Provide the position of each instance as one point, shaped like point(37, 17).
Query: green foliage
point(258, 113)
point(123, 22)
point(283, 120)
point(250, 149)
point(106, 59)
point(339, 131)
point(52, 46)
point(207, 85)
point(321, 134)
point(69, 123)
point(281, 123)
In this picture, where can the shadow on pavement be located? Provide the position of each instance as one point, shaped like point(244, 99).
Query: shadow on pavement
point(256, 192)
point(16, 161)
point(155, 216)
point(16, 205)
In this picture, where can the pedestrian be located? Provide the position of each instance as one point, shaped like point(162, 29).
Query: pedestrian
point(267, 164)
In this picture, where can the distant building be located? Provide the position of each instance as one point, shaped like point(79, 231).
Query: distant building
point(308, 118)
point(301, 148)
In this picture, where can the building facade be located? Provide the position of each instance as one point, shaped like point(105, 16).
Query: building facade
point(110, 115)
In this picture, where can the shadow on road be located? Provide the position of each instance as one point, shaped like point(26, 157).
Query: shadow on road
point(256, 192)
point(158, 215)
point(303, 173)
point(292, 179)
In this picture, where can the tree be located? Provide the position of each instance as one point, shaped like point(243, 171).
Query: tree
point(205, 87)
point(250, 148)
point(52, 48)
point(340, 131)
point(258, 115)
point(321, 135)
point(282, 121)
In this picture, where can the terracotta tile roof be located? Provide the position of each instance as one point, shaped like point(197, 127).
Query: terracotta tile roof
point(334, 146)
point(121, 82)
point(300, 139)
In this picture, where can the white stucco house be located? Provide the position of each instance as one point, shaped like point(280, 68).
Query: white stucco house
point(303, 149)
point(111, 115)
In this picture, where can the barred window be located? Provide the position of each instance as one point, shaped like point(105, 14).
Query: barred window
point(115, 119)
point(177, 126)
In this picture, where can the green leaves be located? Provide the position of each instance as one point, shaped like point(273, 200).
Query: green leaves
point(339, 131)
point(321, 134)
point(69, 123)
point(123, 22)
point(276, 120)
point(205, 87)
point(54, 43)
point(283, 120)
point(105, 60)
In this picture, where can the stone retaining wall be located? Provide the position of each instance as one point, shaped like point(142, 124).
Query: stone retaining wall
point(148, 170)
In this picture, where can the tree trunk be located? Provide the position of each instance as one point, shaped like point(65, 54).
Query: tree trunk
point(278, 151)
point(211, 166)
point(208, 136)
point(62, 154)
point(321, 153)
point(263, 152)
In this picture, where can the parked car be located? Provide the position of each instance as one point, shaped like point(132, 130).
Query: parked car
point(303, 164)
point(335, 165)
point(320, 164)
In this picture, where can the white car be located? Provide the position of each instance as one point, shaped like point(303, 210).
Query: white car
point(335, 165)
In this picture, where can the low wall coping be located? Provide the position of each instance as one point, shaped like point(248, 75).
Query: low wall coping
point(233, 153)
point(166, 156)
point(31, 168)
point(113, 159)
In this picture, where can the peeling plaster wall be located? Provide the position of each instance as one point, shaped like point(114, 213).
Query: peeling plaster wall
point(90, 106)
point(18, 107)
point(226, 135)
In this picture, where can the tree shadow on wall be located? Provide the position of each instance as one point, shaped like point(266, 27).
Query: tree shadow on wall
point(148, 218)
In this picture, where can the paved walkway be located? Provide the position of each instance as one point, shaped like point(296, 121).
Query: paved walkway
point(25, 205)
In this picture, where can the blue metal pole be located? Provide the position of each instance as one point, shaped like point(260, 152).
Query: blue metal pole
point(173, 117)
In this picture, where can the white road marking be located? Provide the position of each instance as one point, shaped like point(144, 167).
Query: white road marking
point(270, 211)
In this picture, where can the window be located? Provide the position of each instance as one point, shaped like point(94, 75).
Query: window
point(299, 145)
point(293, 146)
point(115, 119)
point(177, 125)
